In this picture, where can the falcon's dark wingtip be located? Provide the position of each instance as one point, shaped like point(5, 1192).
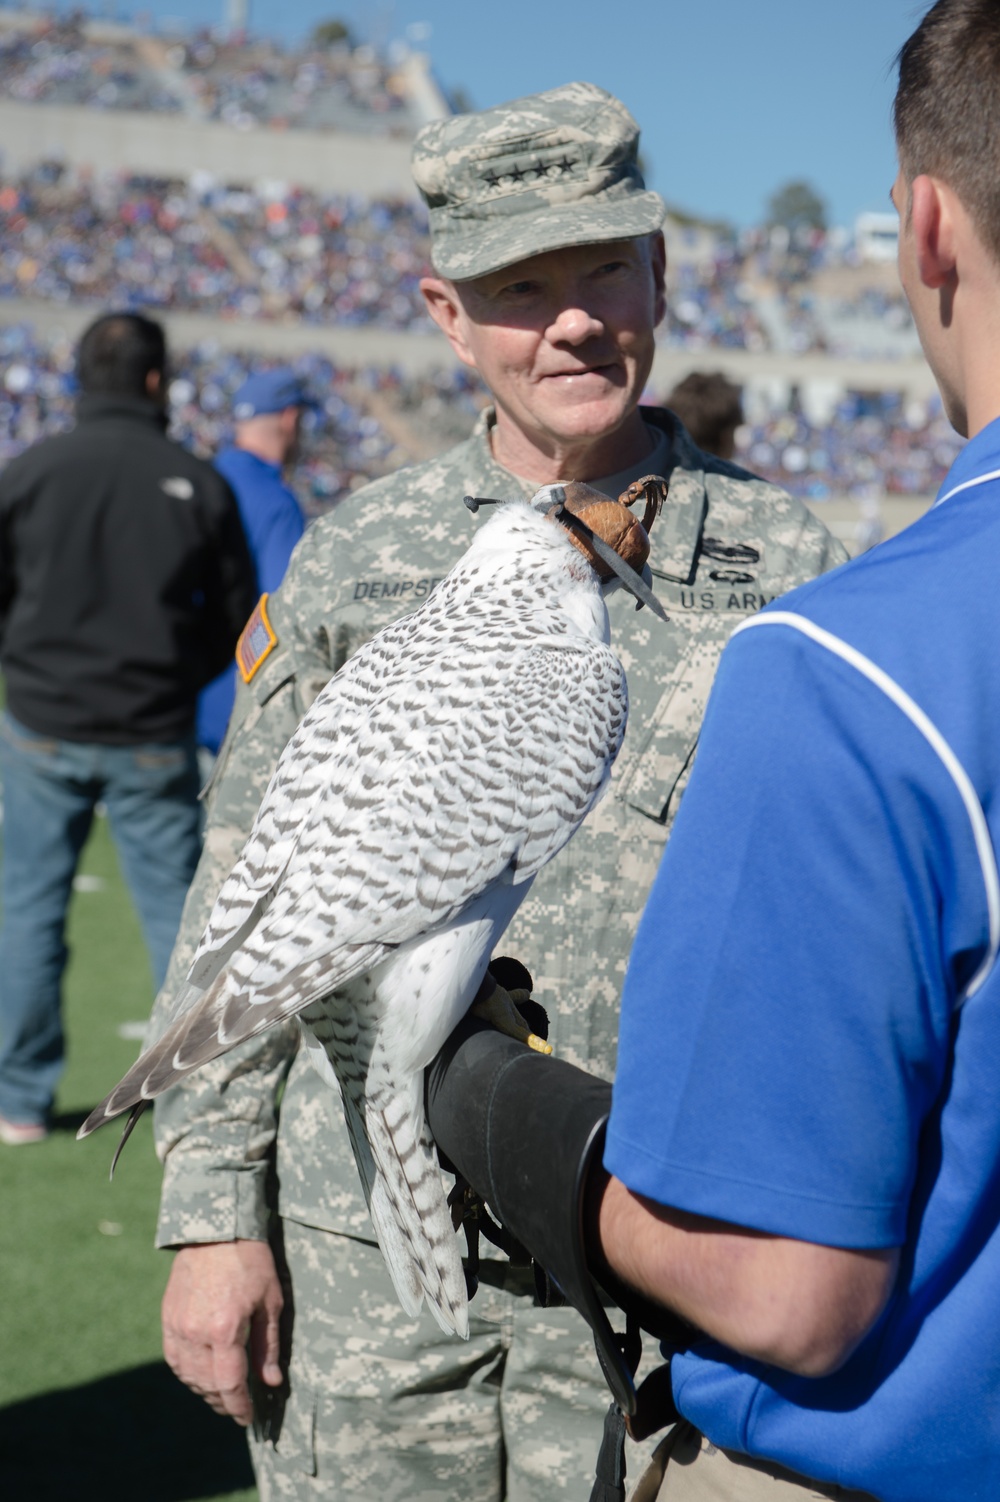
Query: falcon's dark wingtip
point(133, 1117)
point(104, 1113)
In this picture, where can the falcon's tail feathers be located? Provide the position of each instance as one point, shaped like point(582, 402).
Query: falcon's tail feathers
point(409, 1206)
point(397, 1162)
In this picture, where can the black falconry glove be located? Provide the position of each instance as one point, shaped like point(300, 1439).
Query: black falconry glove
point(527, 1132)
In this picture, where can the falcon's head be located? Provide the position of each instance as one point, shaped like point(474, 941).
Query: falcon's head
point(610, 536)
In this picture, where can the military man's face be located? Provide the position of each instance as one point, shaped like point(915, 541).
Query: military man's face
point(564, 340)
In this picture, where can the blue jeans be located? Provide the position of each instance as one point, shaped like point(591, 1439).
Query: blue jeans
point(50, 789)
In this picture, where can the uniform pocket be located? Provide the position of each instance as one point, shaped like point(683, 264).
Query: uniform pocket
point(655, 765)
point(295, 1443)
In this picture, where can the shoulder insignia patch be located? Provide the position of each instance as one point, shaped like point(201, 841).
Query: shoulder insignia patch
point(257, 641)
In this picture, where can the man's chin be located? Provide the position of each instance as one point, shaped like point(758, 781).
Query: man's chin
point(586, 420)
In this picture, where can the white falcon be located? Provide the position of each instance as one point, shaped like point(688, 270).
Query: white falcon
point(450, 758)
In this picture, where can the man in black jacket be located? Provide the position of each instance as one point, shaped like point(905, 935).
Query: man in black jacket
point(125, 580)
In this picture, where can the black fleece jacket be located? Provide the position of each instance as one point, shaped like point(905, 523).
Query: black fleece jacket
point(125, 578)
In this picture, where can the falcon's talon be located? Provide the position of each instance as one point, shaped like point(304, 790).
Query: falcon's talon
point(500, 1011)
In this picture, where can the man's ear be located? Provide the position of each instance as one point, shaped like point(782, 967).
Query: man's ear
point(446, 310)
point(658, 262)
point(933, 230)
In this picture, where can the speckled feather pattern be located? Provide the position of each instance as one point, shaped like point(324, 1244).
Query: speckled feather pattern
point(450, 758)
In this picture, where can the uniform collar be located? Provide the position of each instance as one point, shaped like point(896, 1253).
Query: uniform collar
point(978, 462)
point(244, 456)
point(91, 407)
point(676, 538)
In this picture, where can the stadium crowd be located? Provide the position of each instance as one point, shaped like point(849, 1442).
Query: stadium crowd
point(56, 62)
point(345, 445)
point(53, 59)
point(740, 296)
point(871, 444)
point(120, 241)
point(876, 443)
point(261, 83)
point(712, 306)
point(280, 251)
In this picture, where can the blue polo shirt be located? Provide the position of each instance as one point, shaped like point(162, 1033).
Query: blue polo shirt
point(273, 525)
point(810, 1032)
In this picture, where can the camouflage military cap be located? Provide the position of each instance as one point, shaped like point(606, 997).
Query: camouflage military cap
point(537, 174)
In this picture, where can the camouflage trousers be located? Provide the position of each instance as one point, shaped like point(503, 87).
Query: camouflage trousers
point(384, 1405)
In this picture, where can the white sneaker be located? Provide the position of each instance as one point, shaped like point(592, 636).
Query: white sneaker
point(20, 1133)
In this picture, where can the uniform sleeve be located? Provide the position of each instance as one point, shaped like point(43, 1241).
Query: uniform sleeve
point(800, 546)
point(215, 1130)
point(817, 552)
point(786, 1014)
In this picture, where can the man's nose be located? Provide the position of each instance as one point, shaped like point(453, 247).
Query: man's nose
point(574, 325)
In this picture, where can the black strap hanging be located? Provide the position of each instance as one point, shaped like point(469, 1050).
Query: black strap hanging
point(609, 1481)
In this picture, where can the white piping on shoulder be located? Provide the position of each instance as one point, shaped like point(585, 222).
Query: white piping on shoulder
point(933, 736)
point(994, 474)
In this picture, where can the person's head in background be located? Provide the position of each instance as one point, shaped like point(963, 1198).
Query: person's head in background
point(711, 408)
point(123, 354)
point(947, 192)
point(267, 414)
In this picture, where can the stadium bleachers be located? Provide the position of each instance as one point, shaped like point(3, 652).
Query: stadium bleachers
point(260, 83)
point(164, 244)
point(872, 444)
point(371, 421)
point(54, 59)
point(273, 250)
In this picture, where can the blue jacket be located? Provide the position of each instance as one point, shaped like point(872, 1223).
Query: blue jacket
point(273, 525)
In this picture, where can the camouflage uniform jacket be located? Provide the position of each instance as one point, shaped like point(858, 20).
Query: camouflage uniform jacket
point(726, 544)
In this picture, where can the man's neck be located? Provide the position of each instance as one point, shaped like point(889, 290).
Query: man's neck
point(547, 464)
point(980, 385)
point(261, 449)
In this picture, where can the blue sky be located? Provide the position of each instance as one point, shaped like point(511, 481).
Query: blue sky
point(734, 97)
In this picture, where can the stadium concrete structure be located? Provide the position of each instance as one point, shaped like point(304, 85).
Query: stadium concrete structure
point(178, 142)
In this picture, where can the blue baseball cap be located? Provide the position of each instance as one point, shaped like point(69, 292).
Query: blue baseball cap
point(271, 391)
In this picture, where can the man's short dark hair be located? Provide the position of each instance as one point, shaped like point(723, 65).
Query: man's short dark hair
point(947, 109)
point(117, 353)
point(711, 408)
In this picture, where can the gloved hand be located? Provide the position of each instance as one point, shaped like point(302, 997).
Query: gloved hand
point(527, 1132)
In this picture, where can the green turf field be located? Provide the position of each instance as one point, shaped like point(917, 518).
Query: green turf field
point(88, 1410)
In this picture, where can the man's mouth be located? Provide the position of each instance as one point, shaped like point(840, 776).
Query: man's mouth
point(606, 371)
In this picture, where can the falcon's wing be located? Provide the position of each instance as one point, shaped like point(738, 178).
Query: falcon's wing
point(389, 822)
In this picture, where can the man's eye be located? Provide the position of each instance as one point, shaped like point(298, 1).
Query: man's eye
point(609, 267)
point(519, 289)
